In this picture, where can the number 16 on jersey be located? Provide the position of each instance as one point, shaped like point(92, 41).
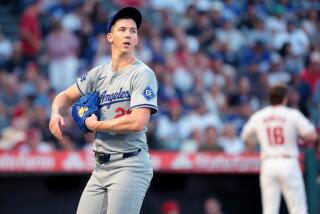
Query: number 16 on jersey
point(275, 135)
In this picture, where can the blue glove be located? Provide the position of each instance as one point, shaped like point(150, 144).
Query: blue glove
point(85, 107)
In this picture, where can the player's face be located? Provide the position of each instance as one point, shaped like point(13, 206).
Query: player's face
point(123, 35)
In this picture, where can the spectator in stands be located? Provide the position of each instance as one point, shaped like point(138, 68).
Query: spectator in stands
point(72, 20)
point(293, 64)
point(10, 94)
point(170, 207)
point(167, 91)
point(182, 75)
point(34, 143)
point(230, 36)
point(276, 26)
point(256, 53)
point(305, 94)
point(30, 31)
point(30, 78)
point(210, 142)
point(15, 63)
point(4, 119)
point(216, 14)
point(223, 73)
point(309, 24)
point(60, 8)
point(192, 143)
point(157, 49)
point(169, 127)
point(293, 99)
point(131, 3)
point(200, 30)
point(41, 97)
point(67, 144)
point(243, 94)
point(88, 43)
point(229, 140)
point(5, 48)
point(298, 39)
point(143, 51)
point(249, 20)
point(102, 51)
point(98, 18)
point(277, 74)
point(74, 133)
point(152, 139)
point(212, 206)
point(198, 117)
point(311, 74)
point(215, 99)
point(63, 48)
point(15, 134)
point(40, 121)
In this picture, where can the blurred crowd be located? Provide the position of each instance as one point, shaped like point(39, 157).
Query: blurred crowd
point(211, 205)
point(214, 61)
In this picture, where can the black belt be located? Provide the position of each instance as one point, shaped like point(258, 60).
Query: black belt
point(104, 157)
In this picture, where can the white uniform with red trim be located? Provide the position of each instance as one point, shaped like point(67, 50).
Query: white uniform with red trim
point(277, 129)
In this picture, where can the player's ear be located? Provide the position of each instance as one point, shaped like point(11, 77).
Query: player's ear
point(110, 37)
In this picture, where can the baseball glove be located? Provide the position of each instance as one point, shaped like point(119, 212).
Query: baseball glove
point(85, 107)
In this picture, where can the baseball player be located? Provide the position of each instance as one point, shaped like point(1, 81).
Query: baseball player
point(127, 90)
point(277, 128)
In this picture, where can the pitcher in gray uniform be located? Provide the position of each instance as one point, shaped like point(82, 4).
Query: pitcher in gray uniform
point(128, 96)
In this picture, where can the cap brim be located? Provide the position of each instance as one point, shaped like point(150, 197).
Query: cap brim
point(130, 12)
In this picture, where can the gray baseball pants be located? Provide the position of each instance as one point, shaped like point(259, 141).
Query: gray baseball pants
point(118, 186)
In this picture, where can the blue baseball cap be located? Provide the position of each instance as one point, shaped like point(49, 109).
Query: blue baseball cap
point(126, 12)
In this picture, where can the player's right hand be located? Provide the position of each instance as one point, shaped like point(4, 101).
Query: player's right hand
point(56, 121)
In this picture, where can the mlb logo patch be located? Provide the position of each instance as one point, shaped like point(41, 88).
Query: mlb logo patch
point(148, 93)
point(83, 77)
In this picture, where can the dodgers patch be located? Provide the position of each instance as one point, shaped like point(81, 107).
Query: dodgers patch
point(148, 93)
point(82, 110)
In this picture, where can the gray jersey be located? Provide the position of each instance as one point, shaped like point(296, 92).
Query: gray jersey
point(120, 92)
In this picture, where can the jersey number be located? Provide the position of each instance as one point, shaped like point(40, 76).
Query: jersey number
point(275, 135)
point(121, 112)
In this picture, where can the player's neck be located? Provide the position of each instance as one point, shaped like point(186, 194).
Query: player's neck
point(121, 61)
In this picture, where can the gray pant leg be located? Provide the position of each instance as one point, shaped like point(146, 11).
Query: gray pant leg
point(127, 193)
point(93, 199)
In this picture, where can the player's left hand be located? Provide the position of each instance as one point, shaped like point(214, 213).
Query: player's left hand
point(92, 122)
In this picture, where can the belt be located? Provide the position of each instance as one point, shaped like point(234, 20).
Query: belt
point(105, 158)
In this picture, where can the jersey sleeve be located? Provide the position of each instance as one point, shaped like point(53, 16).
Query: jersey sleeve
point(304, 126)
point(144, 91)
point(85, 82)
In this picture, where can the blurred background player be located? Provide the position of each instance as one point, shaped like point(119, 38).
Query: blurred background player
point(277, 128)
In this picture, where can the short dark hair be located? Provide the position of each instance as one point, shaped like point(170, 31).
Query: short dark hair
point(277, 94)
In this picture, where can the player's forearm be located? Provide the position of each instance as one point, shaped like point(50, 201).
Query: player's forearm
point(126, 123)
point(248, 136)
point(60, 103)
point(244, 136)
point(134, 122)
point(311, 137)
